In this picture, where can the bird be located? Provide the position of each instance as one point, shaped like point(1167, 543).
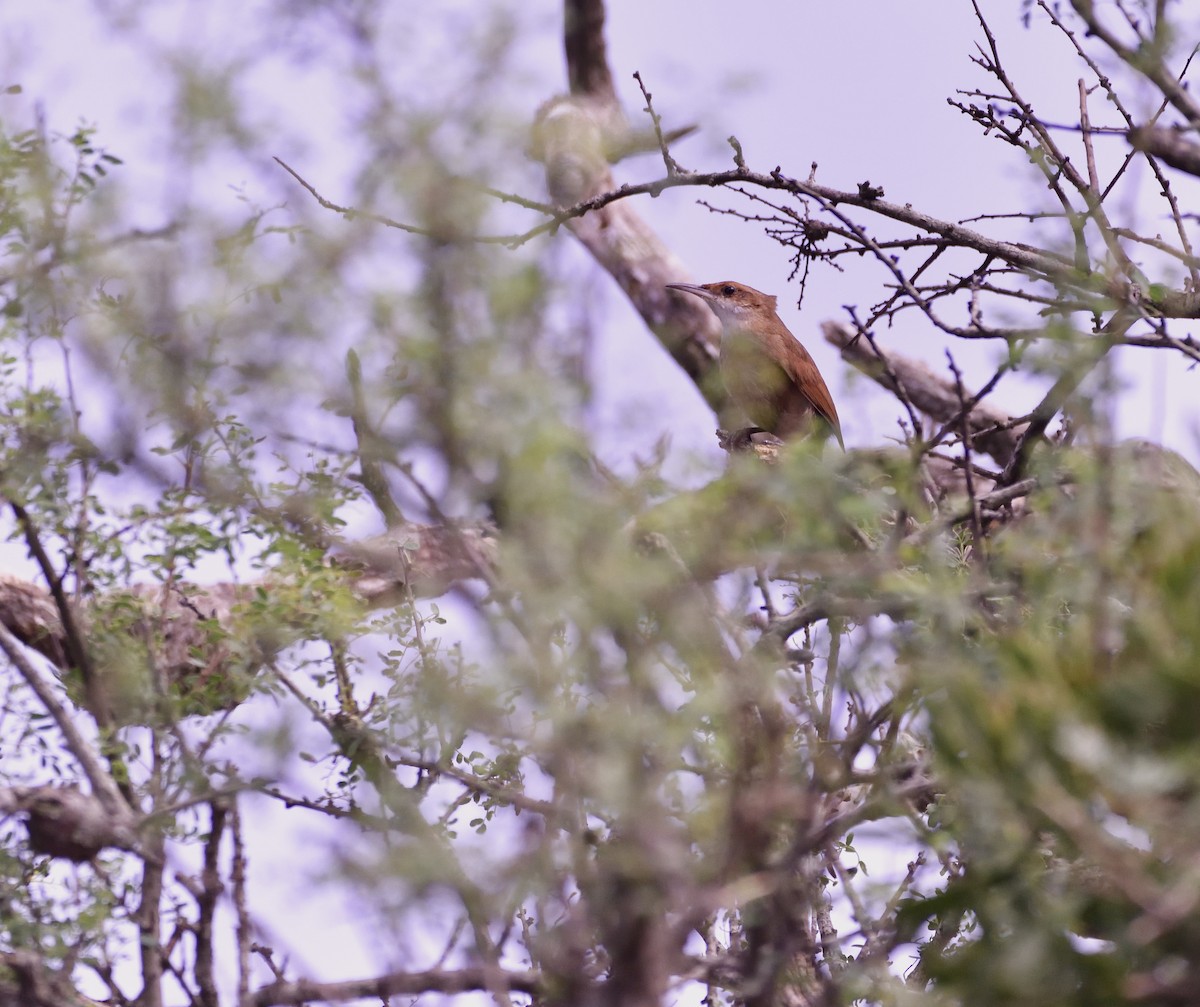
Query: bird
point(768, 373)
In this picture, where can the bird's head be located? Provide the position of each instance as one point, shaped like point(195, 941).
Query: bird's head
point(733, 303)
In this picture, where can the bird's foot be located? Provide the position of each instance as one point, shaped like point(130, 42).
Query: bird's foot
point(746, 439)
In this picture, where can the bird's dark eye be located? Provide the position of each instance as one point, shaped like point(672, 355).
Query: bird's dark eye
point(728, 290)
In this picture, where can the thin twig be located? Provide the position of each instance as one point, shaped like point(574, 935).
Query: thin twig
point(669, 162)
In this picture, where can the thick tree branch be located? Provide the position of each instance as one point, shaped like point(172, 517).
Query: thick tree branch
point(587, 54)
point(571, 139)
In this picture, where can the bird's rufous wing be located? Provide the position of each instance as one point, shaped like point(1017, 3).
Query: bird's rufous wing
point(802, 369)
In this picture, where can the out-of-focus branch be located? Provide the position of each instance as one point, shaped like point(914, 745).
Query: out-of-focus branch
point(418, 560)
point(370, 448)
point(37, 985)
point(180, 621)
point(1169, 145)
point(103, 785)
point(207, 894)
point(392, 984)
point(71, 640)
point(66, 822)
point(1145, 59)
point(587, 54)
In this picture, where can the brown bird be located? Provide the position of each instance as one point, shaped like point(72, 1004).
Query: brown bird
point(767, 371)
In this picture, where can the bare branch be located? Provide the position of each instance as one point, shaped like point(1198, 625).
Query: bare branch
point(669, 163)
point(1063, 389)
point(934, 395)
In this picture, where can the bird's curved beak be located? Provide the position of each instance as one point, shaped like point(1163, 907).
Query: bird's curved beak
point(691, 288)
